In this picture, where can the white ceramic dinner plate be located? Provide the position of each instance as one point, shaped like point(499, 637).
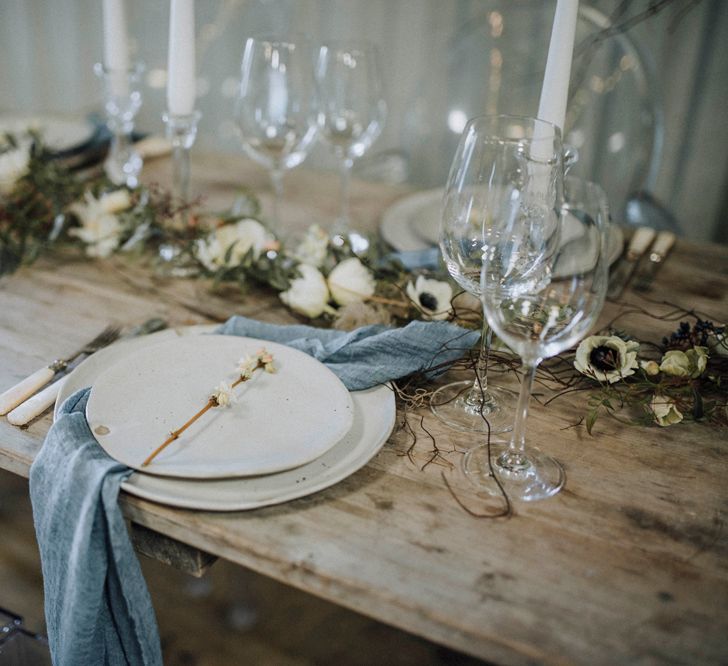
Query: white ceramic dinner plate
point(374, 416)
point(413, 223)
point(59, 134)
point(280, 420)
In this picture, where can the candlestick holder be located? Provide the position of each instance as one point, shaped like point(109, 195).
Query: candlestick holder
point(182, 132)
point(122, 101)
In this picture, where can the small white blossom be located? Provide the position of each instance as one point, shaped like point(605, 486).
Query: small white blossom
point(100, 228)
point(246, 366)
point(606, 358)
point(664, 410)
point(223, 395)
point(241, 236)
point(432, 297)
point(13, 166)
point(351, 281)
point(308, 294)
point(265, 358)
point(313, 248)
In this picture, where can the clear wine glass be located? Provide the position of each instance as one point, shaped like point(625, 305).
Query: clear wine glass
point(543, 283)
point(485, 172)
point(351, 116)
point(276, 106)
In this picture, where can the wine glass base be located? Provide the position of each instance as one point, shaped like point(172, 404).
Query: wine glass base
point(450, 404)
point(541, 478)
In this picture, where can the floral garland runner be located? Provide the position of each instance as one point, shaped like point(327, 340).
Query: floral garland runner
point(44, 204)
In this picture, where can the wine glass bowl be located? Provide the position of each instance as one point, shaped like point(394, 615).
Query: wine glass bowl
point(497, 161)
point(541, 318)
point(276, 106)
point(352, 112)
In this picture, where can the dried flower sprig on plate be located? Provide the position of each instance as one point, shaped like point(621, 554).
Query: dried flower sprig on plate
point(223, 395)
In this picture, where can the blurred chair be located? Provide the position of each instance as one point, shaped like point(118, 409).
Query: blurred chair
point(18, 646)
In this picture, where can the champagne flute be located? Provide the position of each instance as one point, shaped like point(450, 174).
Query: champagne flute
point(276, 107)
point(351, 116)
point(485, 172)
point(543, 317)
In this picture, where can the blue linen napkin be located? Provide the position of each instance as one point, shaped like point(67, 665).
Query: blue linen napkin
point(98, 609)
point(369, 355)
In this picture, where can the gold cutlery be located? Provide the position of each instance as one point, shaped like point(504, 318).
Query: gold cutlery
point(638, 244)
point(38, 403)
point(28, 386)
point(658, 252)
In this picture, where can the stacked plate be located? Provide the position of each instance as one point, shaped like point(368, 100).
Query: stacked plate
point(289, 434)
point(413, 223)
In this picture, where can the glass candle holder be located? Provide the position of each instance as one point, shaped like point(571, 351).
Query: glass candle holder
point(122, 101)
point(182, 132)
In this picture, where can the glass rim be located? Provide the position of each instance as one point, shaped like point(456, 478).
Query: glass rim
point(288, 39)
point(532, 120)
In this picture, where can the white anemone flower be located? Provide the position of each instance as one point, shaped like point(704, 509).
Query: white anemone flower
point(606, 358)
point(241, 236)
point(308, 295)
point(664, 410)
point(351, 282)
point(432, 297)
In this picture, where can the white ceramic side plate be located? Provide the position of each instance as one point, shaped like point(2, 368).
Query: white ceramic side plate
point(280, 421)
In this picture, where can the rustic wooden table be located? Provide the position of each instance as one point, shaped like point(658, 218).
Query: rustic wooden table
point(629, 563)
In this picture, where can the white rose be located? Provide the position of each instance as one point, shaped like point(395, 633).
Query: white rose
point(351, 281)
point(698, 357)
point(241, 236)
point(432, 297)
point(99, 230)
point(664, 410)
point(308, 294)
point(691, 363)
point(13, 166)
point(606, 358)
point(313, 248)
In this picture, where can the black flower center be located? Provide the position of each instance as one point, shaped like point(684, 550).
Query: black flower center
point(604, 358)
point(428, 301)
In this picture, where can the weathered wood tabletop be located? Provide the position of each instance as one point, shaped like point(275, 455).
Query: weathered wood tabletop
point(629, 563)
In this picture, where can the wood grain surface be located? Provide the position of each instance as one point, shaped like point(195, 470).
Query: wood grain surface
point(629, 563)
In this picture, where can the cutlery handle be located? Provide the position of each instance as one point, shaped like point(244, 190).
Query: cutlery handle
point(16, 394)
point(663, 244)
point(35, 405)
point(641, 239)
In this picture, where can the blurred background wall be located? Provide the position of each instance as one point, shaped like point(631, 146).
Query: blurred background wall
point(647, 108)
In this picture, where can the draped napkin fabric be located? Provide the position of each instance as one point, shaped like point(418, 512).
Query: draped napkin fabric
point(369, 355)
point(98, 609)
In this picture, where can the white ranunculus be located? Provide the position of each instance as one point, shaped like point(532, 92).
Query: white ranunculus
point(691, 363)
point(13, 166)
point(652, 368)
point(308, 294)
point(351, 281)
point(432, 297)
point(313, 248)
point(606, 358)
point(241, 236)
point(100, 230)
point(664, 410)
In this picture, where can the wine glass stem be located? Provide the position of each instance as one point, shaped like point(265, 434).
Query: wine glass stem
point(342, 224)
point(276, 177)
point(515, 457)
point(479, 392)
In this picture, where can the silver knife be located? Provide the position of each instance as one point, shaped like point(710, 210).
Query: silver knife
point(659, 250)
point(638, 244)
point(37, 404)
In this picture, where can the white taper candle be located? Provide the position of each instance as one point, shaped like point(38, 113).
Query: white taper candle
point(181, 62)
point(116, 43)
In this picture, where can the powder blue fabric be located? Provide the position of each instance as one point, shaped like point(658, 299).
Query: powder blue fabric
point(369, 355)
point(97, 606)
point(98, 609)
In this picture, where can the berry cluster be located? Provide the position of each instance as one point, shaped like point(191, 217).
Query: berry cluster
point(687, 336)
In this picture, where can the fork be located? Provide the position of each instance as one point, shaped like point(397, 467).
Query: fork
point(24, 389)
